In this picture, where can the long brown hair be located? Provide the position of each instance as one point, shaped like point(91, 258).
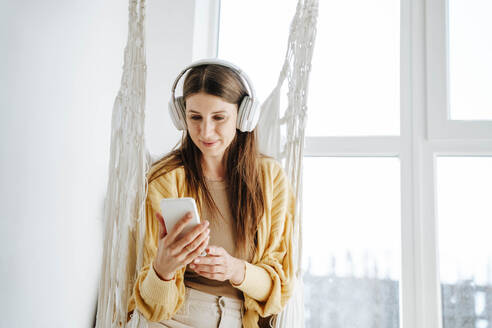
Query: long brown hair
point(241, 157)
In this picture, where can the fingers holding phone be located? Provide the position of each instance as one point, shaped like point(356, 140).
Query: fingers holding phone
point(176, 250)
point(162, 225)
point(181, 244)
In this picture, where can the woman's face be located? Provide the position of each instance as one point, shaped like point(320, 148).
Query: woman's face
point(211, 123)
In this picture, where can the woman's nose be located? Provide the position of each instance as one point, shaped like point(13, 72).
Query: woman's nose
point(207, 127)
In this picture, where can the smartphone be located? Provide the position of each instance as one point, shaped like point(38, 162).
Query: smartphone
point(173, 210)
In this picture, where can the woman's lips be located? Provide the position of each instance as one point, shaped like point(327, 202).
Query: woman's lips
point(209, 144)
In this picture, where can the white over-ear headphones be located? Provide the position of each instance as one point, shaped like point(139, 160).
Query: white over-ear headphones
point(249, 109)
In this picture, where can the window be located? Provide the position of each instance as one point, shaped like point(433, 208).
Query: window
point(355, 77)
point(351, 241)
point(459, 71)
point(388, 178)
point(470, 68)
point(464, 189)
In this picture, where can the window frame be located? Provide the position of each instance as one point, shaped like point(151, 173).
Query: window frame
point(425, 133)
point(440, 126)
point(206, 20)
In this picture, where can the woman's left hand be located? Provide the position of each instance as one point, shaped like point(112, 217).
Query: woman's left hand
point(219, 265)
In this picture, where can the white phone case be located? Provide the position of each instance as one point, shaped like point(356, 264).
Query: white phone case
point(173, 209)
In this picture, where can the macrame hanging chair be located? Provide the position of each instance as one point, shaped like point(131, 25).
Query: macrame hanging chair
point(129, 163)
point(126, 190)
point(282, 137)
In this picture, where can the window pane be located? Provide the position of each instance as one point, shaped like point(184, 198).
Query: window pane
point(253, 34)
point(464, 198)
point(470, 53)
point(355, 78)
point(351, 242)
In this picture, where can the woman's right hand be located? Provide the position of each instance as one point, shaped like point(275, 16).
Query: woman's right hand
point(173, 252)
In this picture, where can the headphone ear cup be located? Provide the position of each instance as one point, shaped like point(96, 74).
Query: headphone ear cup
point(254, 114)
point(177, 113)
point(248, 114)
point(242, 114)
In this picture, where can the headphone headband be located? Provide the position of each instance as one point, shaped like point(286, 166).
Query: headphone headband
point(216, 61)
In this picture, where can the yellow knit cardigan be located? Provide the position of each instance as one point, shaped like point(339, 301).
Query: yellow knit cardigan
point(268, 279)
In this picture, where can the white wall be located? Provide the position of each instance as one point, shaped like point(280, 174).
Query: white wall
point(60, 70)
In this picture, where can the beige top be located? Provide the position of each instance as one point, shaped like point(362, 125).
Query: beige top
point(221, 234)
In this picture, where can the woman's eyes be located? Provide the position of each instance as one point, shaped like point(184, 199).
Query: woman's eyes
point(197, 118)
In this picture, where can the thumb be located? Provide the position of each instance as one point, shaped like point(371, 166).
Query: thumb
point(162, 226)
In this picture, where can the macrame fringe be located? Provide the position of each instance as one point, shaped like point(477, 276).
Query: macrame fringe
point(126, 190)
point(268, 132)
point(283, 137)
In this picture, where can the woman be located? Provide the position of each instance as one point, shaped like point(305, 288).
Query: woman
point(246, 209)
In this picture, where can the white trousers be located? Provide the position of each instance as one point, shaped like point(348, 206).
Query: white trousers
point(204, 310)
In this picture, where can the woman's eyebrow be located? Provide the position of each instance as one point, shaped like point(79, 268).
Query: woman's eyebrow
point(217, 112)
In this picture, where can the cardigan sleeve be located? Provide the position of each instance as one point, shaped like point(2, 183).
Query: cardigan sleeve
point(276, 260)
point(156, 299)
